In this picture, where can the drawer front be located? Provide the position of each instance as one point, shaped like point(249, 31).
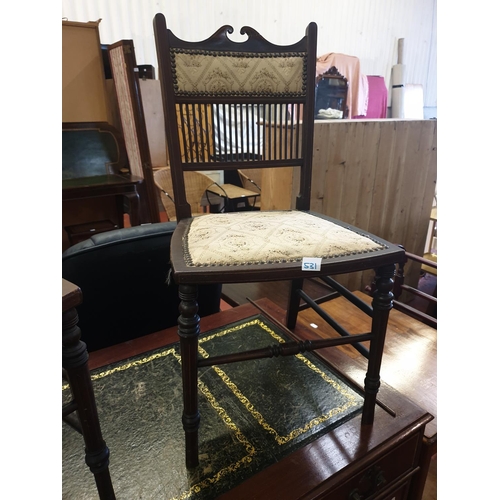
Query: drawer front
point(378, 476)
point(400, 494)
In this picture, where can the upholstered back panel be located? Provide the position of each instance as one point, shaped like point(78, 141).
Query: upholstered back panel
point(231, 105)
point(238, 74)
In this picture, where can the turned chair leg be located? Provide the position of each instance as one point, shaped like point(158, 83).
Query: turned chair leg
point(382, 304)
point(75, 362)
point(189, 330)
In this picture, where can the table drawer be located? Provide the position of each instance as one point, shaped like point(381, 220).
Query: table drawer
point(379, 475)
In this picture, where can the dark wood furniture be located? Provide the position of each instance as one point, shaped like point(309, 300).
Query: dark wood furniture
point(76, 371)
point(416, 378)
point(124, 274)
point(95, 167)
point(353, 461)
point(406, 336)
point(331, 92)
point(264, 80)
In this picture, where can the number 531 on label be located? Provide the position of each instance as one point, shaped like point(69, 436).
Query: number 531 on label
point(311, 264)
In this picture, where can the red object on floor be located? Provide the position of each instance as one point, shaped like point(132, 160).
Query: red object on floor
point(224, 305)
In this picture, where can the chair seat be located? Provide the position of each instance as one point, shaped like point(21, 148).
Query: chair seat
point(269, 245)
point(269, 237)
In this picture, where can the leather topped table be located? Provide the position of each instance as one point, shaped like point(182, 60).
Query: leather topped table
point(352, 461)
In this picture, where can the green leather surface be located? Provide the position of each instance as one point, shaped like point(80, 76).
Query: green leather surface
point(253, 413)
point(86, 153)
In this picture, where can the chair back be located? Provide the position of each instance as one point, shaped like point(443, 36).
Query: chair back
point(236, 105)
point(195, 184)
point(251, 179)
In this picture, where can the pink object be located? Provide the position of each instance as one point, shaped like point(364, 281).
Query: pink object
point(348, 66)
point(377, 98)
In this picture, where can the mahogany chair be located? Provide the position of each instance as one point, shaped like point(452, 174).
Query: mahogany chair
point(261, 79)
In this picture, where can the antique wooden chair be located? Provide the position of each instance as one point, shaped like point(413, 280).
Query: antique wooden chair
point(254, 246)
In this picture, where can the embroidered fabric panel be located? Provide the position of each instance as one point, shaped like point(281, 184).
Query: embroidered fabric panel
point(241, 238)
point(240, 74)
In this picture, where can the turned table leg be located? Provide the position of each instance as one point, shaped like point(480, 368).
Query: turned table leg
point(75, 362)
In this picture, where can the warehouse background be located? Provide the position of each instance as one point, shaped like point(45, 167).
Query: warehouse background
point(367, 29)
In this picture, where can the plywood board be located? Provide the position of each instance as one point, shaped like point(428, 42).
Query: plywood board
point(83, 88)
point(378, 175)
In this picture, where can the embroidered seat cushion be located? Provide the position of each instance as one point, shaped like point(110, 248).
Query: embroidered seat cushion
point(240, 238)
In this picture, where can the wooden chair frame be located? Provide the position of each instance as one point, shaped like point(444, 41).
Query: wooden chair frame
point(288, 142)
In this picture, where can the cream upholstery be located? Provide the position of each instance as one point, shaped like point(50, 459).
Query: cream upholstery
point(240, 238)
point(243, 73)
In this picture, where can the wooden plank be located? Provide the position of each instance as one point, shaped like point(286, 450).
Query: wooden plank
point(319, 188)
point(365, 166)
point(378, 175)
point(277, 183)
point(277, 189)
point(155, 123)
point(333, 136)
point(374, 174)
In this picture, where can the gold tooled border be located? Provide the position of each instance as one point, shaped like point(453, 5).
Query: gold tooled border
point(250, 449)
point(280, 439)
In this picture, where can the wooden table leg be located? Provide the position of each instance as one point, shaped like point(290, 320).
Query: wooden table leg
point(75, 362)
point(133, 199)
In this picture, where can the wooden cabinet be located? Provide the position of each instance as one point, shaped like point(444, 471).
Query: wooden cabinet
point(353, 461)
point(385, 478)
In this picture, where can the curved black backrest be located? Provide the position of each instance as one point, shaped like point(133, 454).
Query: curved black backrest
point(123, 277)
